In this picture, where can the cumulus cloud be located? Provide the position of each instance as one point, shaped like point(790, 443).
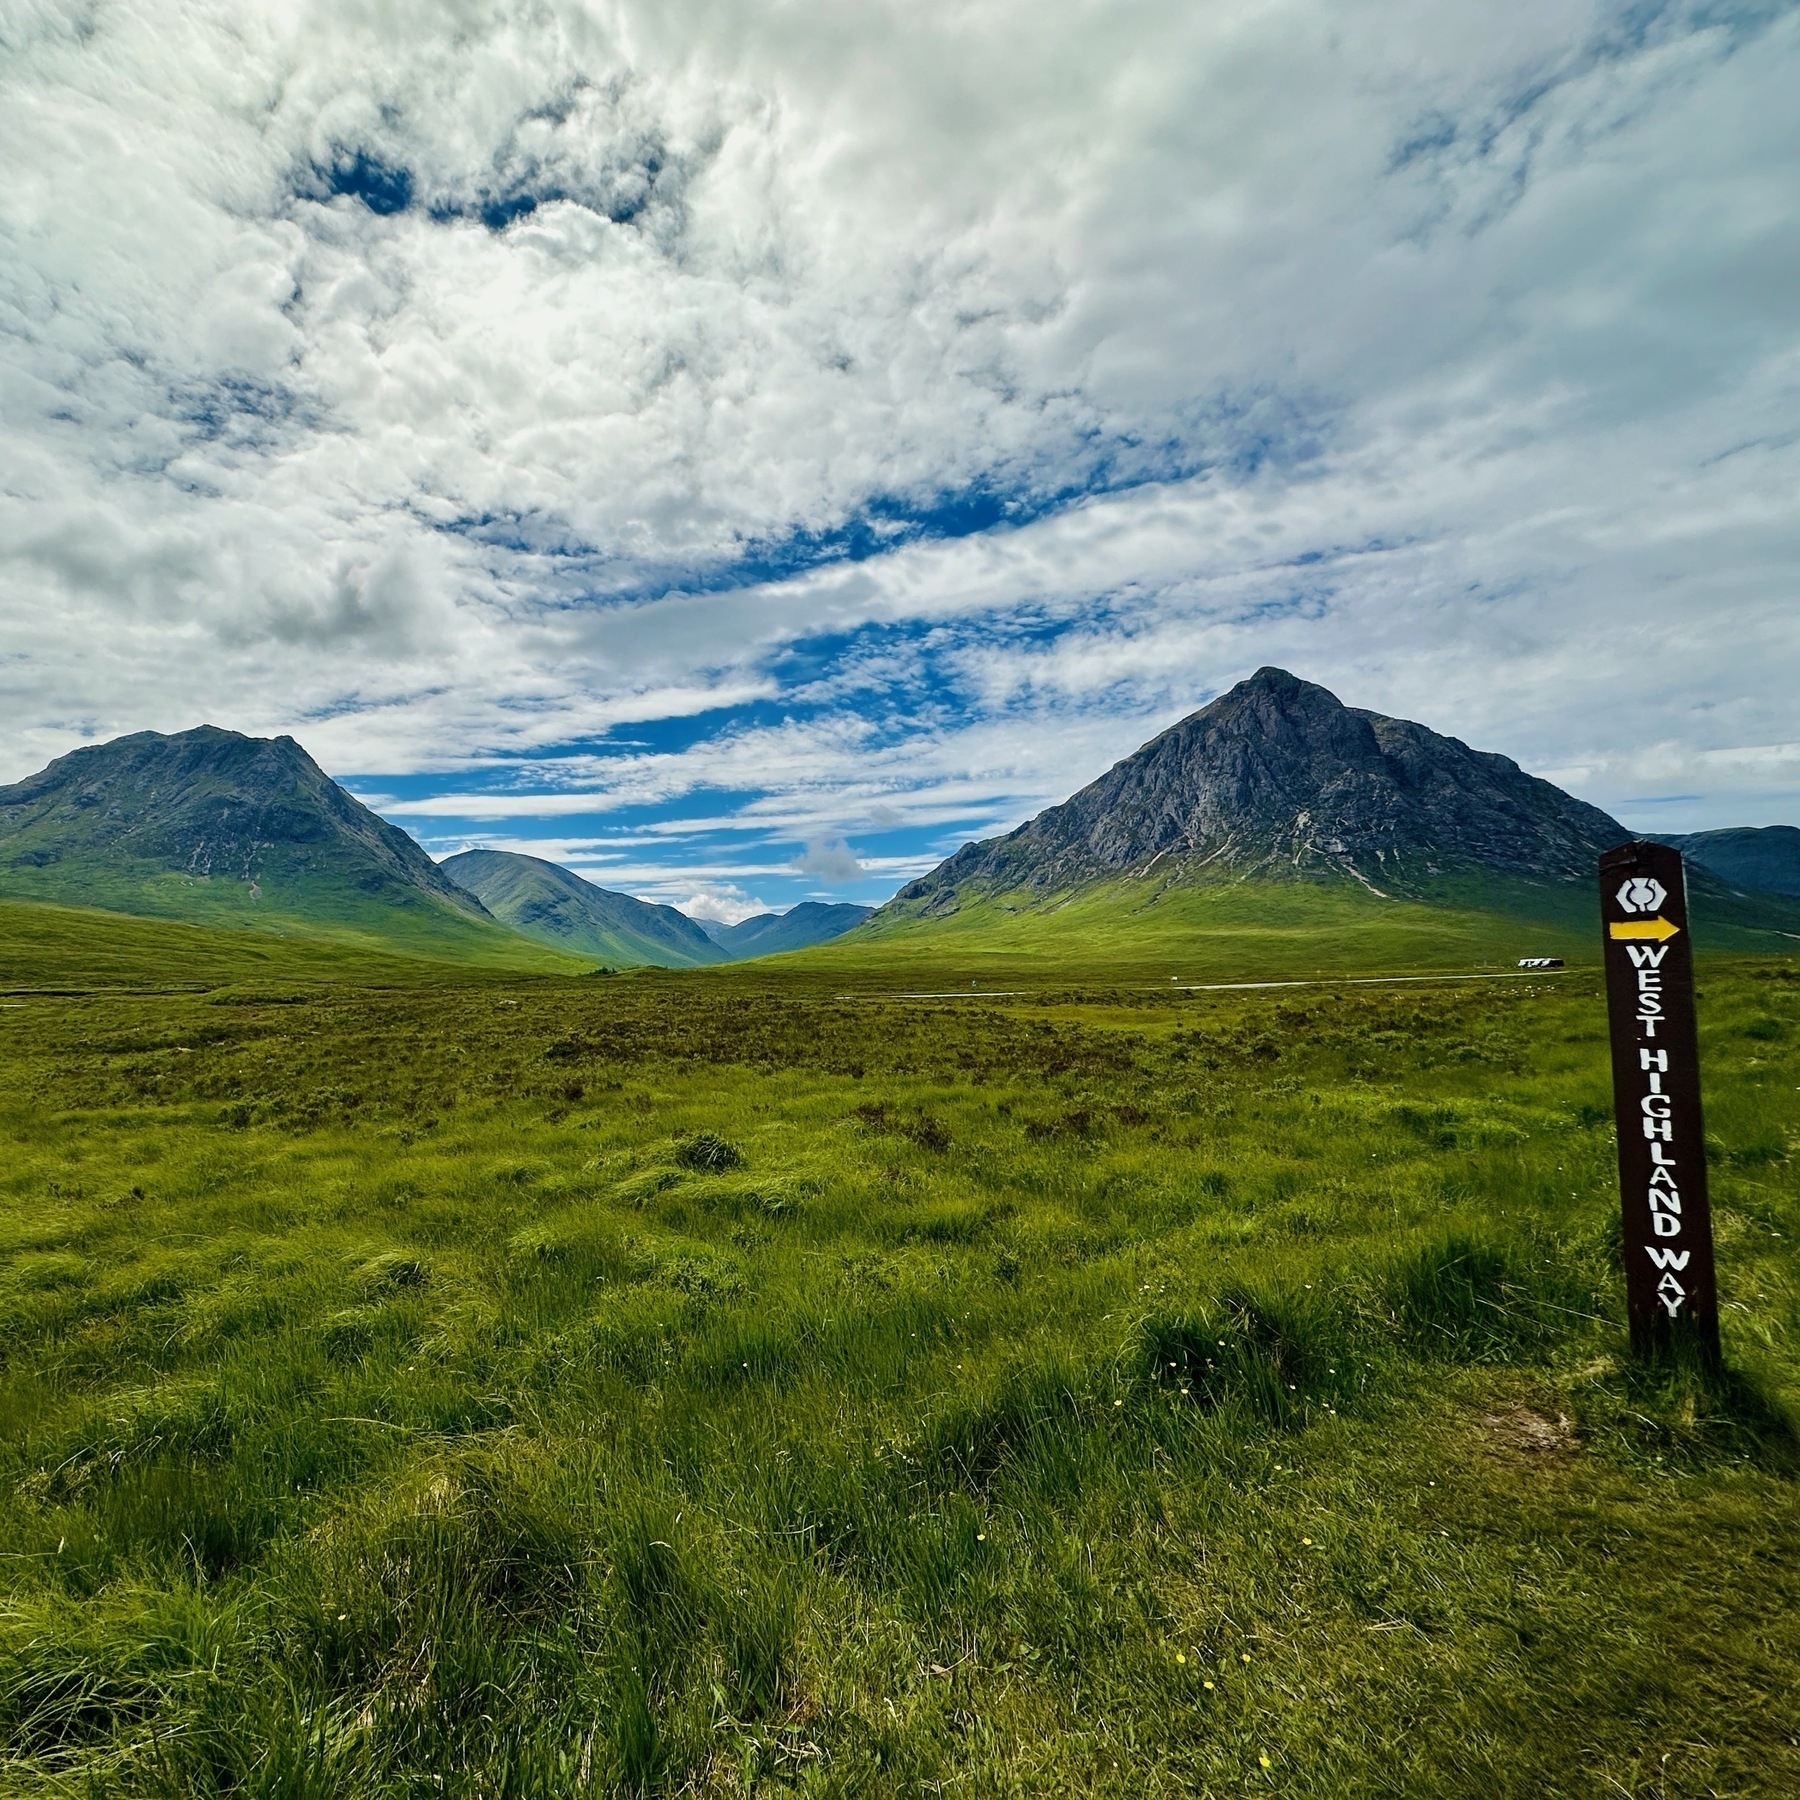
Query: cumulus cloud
point(717, 903)
point(897, 415)
point(831, 861)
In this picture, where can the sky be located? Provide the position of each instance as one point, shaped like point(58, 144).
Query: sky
point(744, 453)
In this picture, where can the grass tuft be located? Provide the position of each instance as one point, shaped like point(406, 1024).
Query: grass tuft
point(710, 1153)
point(1470, 1298)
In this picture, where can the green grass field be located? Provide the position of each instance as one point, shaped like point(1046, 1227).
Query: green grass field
point(49, 946)
point(1246, 931)
point(437, 1381)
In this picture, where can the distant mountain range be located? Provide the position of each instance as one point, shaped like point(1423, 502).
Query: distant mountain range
point(799, 928)
point(1754, 859)
point(1274, 789)
point(555, 906)
point(211, 825)
point(1279, 780)
point(558, 908)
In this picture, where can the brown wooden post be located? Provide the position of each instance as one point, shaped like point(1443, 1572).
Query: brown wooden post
point(1670, 1291)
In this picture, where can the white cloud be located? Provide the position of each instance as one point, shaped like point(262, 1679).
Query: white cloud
point(718, 902)
point(830, 860)
point(1466, 337)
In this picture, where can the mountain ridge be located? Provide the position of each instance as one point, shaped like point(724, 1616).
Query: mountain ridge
point(799, 928)
point(1759, 859)
point(558, 908)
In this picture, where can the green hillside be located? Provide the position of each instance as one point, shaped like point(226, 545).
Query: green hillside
point(1758, 859)
point(1262, 930)
point(80, 947)
point(558, 908)
point(331, 918)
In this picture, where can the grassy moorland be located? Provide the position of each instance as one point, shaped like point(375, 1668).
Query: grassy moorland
point(43, 946)
point(423, 1382)
point(1229, 930)
point(408, 926)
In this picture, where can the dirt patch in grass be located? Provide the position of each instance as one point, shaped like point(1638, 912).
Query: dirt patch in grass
point(1524, 1431)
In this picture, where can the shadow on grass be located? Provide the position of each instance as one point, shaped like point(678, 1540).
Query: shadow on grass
point(1679, 1409)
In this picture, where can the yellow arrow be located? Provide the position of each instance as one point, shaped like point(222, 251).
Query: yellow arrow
point(1658, 928)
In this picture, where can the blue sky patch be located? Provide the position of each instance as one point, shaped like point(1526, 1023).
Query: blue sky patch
point(382, 187)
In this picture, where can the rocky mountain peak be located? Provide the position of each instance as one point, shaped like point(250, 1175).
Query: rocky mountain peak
point(1278, 778)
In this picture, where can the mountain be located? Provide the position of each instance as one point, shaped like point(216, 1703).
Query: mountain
point(1277, 834)
point(559, 909)
point(1278, 780)
point(211, 825)
point(1757, 859)
point(800, 927)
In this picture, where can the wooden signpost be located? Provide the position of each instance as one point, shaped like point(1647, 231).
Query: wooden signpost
point(1670, 1292)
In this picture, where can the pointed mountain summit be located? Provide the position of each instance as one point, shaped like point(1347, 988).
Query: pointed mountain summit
point(1279, 779)
point(212, 825)
point(557, 907)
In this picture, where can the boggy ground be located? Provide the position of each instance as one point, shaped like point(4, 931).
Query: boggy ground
point(673, 1385)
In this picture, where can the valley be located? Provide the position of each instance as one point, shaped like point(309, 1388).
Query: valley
point(1139, 1313)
